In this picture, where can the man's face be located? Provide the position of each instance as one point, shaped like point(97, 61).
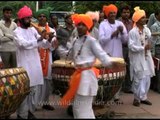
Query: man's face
point(142, 21)
point(112, 15)
point(7, 14)
point(82, 29)
point(54, 19)
point(158, 17)
point(69, 21)
point(125, 14)
point(101, 17)
point(26, 21)
point(42, 19)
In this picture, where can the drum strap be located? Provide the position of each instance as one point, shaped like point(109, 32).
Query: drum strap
point(74, 84)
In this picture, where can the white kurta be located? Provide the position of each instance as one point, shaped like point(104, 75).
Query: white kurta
point(27, 53)
point(90, 51)
point(112, 46)
point(140, 64)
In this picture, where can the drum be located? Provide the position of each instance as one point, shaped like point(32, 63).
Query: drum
point(109, 80)
point(14, 87)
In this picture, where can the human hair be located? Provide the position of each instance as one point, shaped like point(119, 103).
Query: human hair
point(125, 7)
point(7, 8)
point(157, 12)
point(67, 16)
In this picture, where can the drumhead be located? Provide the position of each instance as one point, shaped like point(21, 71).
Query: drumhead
point(114, 59)
point(66, 63)
point(62, 63)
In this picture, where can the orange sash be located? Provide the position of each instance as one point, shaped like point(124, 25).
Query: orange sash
point(73, 86)
point(44, 56)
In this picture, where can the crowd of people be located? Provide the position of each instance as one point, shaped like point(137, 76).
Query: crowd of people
point(84, 38)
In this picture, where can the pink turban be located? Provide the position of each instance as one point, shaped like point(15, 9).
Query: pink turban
point(86, 19)
point(110, 8)
point(24, 12)
point(138, 14)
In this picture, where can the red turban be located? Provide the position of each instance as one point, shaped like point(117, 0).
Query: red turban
point(110, 8)
point(24, 12)
point(138, 14)
point(86, 19)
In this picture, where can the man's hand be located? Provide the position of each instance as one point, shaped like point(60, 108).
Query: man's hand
point(120, 29)
point(148, 47)
point(43, 34)
point(55, 44)
point(115, 34)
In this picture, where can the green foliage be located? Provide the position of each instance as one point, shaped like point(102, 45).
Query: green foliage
point(16, 5)
point(80, 6)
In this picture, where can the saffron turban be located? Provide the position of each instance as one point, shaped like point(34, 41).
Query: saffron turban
point(42, 11)
point(74, 17)
point(86, 19)
point(24, 12)
point(110, 8)
point(93, 15)
point(138, 14)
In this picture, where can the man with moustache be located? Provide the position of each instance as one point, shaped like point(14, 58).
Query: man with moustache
point(27, 41)
point(112, 34)
point(125, 18)
point(141, 62)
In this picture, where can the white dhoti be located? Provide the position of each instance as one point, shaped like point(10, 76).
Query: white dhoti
point(30, 103)
point(82, 107)
point(140, 88)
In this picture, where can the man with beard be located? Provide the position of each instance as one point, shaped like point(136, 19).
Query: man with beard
point(112, 34)
point(27, 41)
point(8, 47)
point(141, 62)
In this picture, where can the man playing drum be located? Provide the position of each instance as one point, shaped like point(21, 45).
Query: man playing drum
point(84, 84)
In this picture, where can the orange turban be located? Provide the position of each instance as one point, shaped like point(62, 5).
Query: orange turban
point(86, 19)
point(74, 17)
point(110, 8)
point(138, 14)
point(24, 12)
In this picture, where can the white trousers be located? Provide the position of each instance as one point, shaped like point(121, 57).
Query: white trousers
point(140, 88)
point(30, 102)
point(82, 107)
point(45, 91)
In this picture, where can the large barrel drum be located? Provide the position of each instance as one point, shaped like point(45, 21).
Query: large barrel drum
point(14, 87)
point(109, 80)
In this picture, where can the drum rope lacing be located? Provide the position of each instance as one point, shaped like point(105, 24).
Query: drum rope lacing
point(101, 87)
point(80, 50)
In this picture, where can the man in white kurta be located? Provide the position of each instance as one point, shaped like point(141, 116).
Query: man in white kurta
point(27, 41)
point(141, 62)
point(84, 51)
point(112, 34)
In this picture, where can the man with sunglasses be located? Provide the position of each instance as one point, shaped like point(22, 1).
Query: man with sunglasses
point(46, 57)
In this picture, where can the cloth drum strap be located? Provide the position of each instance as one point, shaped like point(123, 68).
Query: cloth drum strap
point(74, 84)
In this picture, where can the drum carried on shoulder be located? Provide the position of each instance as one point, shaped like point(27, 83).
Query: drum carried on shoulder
point(14, 87)
point(109, 80)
